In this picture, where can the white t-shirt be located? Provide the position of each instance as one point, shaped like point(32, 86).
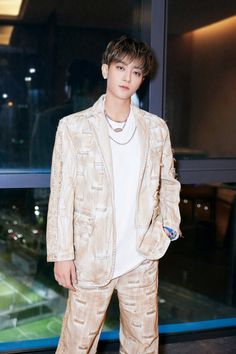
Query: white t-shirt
point(126, 167)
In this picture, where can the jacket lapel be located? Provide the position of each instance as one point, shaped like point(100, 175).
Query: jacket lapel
point(100, 130)
point(99, 126)
point(144, 136)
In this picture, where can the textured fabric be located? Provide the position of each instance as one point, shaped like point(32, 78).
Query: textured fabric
point(81, 225)
point(85, 314)
point(126, 166)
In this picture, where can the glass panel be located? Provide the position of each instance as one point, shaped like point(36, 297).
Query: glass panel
point(201, 71)
point(197, 279)
point(196, 275)
point(50, 67)
point(31, 303)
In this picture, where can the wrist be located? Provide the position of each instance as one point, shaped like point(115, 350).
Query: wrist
point(172, 234)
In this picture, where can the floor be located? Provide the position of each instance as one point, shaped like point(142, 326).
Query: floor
point(225, 345)
point(222, 345)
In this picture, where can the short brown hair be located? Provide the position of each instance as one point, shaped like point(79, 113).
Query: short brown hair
point(124, 46)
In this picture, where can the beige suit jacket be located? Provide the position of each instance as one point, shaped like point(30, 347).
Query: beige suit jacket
point(80, 223)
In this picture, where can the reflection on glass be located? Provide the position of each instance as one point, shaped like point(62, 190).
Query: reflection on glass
point(197, 281)
point(196, 278)
point(50, 67)
point(201, 71)
point(31, 302)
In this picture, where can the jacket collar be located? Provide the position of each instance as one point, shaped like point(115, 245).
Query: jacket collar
point(100, 129)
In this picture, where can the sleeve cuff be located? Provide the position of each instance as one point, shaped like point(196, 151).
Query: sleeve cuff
point(58, 258)
point(172, 234)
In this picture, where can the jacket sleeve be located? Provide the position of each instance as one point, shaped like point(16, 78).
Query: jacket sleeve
point(169, 193)
point(59, 232)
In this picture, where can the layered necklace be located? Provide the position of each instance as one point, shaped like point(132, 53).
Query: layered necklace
point(119, 129)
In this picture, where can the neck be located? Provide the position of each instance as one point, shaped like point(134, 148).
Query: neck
point(117, 109)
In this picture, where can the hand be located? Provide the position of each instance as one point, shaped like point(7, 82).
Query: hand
point(65, 274)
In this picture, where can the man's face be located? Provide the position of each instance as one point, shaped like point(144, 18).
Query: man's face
point(123, 78)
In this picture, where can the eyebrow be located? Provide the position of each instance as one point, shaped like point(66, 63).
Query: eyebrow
point(126, 64)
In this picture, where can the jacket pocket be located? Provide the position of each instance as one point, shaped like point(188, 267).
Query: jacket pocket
point(154, 243)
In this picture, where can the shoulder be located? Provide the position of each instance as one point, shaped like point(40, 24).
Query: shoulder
point(75, 118)
point(74, 122)
point(154, 121)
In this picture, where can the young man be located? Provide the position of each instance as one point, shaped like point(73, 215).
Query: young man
point(113, 208)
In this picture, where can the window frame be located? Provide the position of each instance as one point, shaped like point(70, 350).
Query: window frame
point(154, 13)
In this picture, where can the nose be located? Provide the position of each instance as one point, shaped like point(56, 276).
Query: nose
point(127, 75)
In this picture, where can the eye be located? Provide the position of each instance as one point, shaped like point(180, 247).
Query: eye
point(137, 73)
point(120, 67)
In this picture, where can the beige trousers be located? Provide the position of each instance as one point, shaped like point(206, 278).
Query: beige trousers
point(86, 310)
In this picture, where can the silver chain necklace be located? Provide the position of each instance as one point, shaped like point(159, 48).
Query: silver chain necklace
point(117, 142)
point(117, 130)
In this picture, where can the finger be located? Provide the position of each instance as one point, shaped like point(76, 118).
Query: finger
point(59, 280)
point(57, 276)
point(73, 275)
point(70, 287)
point(68, 284)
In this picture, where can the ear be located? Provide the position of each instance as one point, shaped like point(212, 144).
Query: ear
point(104, 71)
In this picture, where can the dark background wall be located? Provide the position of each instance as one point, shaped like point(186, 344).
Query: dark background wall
point(201, 88)
point(213, 106)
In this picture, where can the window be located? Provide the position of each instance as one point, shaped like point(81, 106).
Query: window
point(200, 84)
point(198, 106)
point(196, 275)
point(49, 68)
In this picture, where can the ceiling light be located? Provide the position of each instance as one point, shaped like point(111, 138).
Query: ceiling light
point(217, 27)
point(10, 7)
point(5, 34)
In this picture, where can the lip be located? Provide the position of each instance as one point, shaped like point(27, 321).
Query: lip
point(124, 87)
